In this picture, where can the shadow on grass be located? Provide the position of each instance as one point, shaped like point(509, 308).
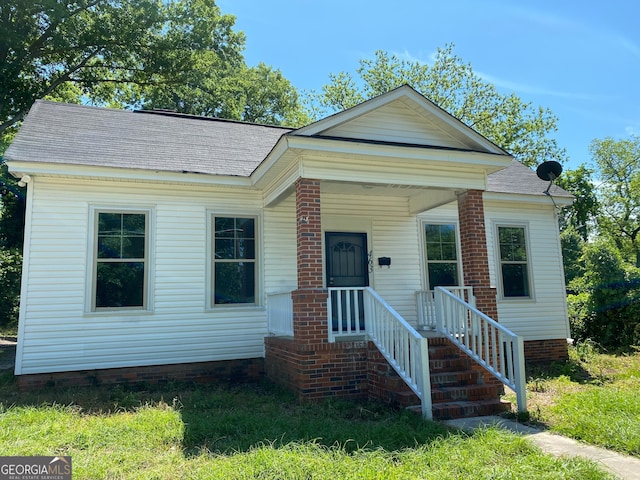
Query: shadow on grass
point(223, 418)
point(570, 368)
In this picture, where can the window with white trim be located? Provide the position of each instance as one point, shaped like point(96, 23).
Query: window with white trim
point(234, 268)
point(441, 255)
point(121, 265)
point(514, 261)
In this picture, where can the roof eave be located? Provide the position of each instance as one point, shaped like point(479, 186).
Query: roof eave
point(19, 168)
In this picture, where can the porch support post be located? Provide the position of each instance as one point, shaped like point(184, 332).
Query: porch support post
point(310, 324)
point(475, 259)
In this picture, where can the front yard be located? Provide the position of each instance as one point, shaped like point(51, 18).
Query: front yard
point(594, 398)
point(254, 431)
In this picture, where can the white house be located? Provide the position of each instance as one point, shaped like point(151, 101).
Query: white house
point(158, 243)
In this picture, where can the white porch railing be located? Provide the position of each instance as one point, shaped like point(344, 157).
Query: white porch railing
point(427, 305)
point(494, 347)
point(346, 312)
point(403, 347)
point(280, 314)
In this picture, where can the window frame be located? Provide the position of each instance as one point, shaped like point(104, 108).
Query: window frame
point(210, 304)
point(94, 215)
point(500, 279)
point(425, 254)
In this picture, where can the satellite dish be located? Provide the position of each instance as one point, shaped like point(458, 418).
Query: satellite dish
point(549, 171)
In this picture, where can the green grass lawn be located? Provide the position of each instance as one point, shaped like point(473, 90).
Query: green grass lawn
point(255, 431)
point(594, 398)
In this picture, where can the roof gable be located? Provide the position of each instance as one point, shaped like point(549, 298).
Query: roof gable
point(402, 116)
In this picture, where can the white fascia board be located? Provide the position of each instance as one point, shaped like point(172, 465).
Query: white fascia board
point(417, 153)
point(524, 198)
point(18, 169)
point(279, 149)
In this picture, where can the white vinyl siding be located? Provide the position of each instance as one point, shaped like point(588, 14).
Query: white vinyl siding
point(396, 123)
point(57, 333)
point(544, 315)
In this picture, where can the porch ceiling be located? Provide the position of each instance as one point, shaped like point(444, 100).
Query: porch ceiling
point(420, 198)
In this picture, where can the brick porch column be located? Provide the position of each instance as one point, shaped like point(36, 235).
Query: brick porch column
point(310, 324)
point(475, 259)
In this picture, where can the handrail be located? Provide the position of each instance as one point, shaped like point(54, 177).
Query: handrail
point(401, 345)
point(427, 304)
point(480, 337)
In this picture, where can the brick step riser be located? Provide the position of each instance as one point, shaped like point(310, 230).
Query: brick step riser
point(468, 409)
point(470, 393)
point(459, 378)
point(449, 364)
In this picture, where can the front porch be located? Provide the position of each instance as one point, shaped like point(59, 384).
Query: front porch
point(368, 344)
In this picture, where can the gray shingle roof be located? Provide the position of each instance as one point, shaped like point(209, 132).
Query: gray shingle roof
point(517, 178)
point(76, 134)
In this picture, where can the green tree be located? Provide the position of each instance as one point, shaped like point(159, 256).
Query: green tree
point(515, 125)
point(572, 251)
point(618, 163)
point(582, 215)
point(607, 305)
point(133, 53)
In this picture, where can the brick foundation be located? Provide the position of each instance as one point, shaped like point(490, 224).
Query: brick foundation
point(204, 372)
point(537, 352)
point(318, 371)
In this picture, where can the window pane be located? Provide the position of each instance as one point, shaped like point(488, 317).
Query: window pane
point(133, 247)
point(109, 223)
point(512, 244)
point(234, 283)
point(515, 280)
point(449, 251)
point(225, 248)
point(245, 227)
point(434, 251)
point(443, 274)
point(224, 227)
point(447, 233)
point(246, 249)
point(109, 247)
point(133, 224)
point(120, 284)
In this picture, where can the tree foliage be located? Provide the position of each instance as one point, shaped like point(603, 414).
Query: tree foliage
point(607, 305)
point(515, 125)
point(10, 269)
point(618, 163)
point(582, 214)
point(178, 54)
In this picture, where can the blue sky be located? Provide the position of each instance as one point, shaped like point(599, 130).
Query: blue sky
point(581, 59)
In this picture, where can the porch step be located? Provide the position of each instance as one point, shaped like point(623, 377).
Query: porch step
point(465, 409)
point(458, 390)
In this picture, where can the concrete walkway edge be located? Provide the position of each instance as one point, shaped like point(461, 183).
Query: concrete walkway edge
point(623, 466)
